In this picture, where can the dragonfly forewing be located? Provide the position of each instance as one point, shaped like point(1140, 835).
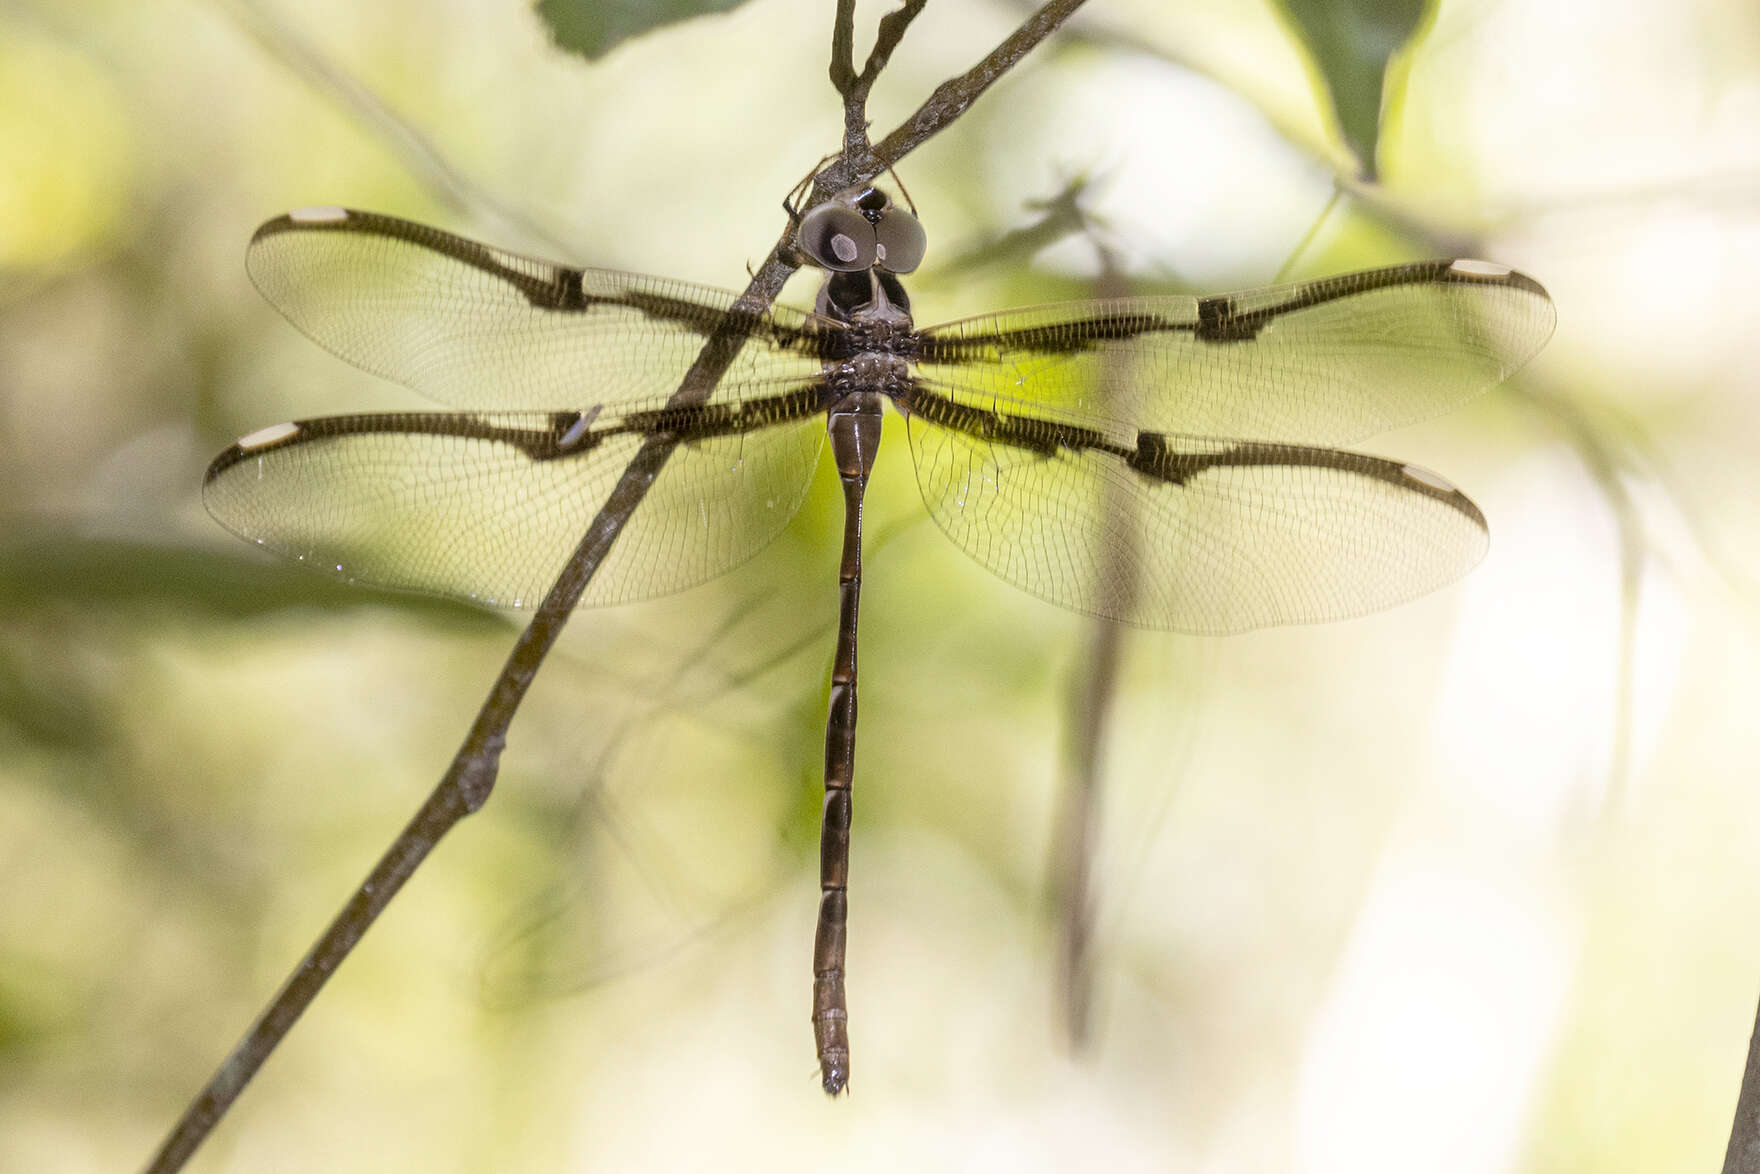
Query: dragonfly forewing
point(1324, 362)
point(479, 327)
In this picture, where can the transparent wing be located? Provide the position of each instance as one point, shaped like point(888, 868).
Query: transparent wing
point(490, 506)
point(478, 327)
point(1324, 362)
point(1188, 533)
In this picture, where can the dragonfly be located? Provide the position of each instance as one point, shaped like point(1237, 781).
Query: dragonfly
point(1164, 461)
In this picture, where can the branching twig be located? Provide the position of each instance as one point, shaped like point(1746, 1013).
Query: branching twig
point(471, 777)
point(854, 87)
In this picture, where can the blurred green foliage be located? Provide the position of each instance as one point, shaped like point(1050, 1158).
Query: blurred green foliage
point(1352, 43)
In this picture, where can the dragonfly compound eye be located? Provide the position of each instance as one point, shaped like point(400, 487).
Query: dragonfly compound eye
point(901, 241)
point(838, 238)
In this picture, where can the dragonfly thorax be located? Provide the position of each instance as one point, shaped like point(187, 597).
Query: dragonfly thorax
point(871, 371)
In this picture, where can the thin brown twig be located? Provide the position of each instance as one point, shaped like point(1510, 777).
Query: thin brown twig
point(467, 783)
point(843, 47)
point(892, 27)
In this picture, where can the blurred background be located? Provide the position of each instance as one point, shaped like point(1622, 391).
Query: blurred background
point(1465, 886)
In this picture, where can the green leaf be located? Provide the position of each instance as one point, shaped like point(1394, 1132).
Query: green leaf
point(592, 28)
point(1352, 43)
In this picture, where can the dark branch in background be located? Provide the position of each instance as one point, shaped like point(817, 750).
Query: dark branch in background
point(469, 780)
point(1091, 696)
point(1074, 844)
point(1061, 216)
point(1094, 685)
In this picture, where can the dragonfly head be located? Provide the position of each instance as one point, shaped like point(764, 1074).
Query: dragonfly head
point(861, 228)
